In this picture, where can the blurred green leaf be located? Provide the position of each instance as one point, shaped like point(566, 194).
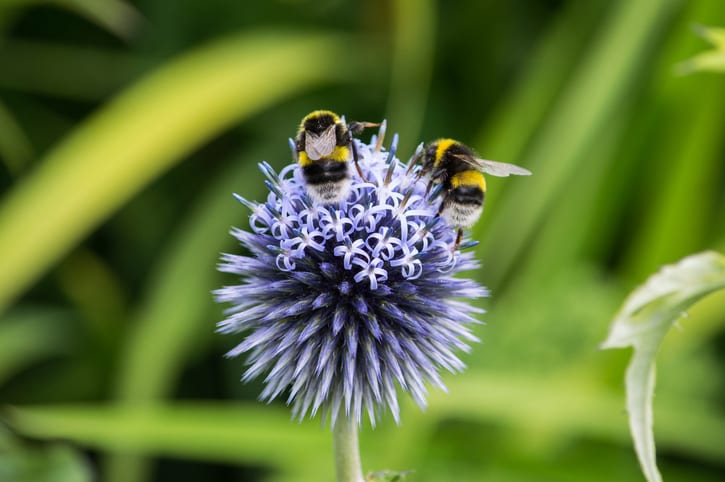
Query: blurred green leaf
point(568, 405)
point(179, 299)
point(645, 318)
point(414, 27)
point(97, 293)
point(518, 115)
point(714, 35)
point(56, 463)
point(114, 15)
point(15, 147)
point(143, 133)
point(231, 433)
point(29, 335)
point(686, 160)
point(601, 83)
point(387, 476)
point(64, 70)
point(710, 61)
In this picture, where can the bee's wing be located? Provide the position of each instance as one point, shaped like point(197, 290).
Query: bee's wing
point(501, 169)
point(317, 147)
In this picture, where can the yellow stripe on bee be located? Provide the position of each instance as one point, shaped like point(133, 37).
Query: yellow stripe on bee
point(442, 147)
point(340, 153)
point(469, 178)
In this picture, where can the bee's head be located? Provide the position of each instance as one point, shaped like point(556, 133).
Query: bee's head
point(429, 157)
point(319, 133)
point(319, 121)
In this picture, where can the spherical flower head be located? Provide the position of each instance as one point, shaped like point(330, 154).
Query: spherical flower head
point(345, 303)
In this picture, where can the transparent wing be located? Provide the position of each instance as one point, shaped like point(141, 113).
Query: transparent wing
point(320, 146)
point(499, 169)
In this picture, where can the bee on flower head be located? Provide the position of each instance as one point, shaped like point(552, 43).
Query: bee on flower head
point(324, 145)
point(458, 171)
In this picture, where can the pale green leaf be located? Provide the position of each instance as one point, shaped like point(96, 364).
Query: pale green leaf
point(712, 60)
point(714, 35)
point(228, 432)
point(643, 321)
point(143, 133)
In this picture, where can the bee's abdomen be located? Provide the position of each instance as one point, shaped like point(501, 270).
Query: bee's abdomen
point(325, 171)
point(472, 195)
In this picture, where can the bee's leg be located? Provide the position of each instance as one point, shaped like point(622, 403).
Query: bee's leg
point(442, 206)
point(428, 187)
point(355, 159)
point(459, 237)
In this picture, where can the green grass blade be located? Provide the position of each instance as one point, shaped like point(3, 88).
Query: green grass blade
point(644, 320)
point(414, 30)
point(601, 82)
point(179, 302)
point(142, 134)
point(514, 122)
point(230, 433)
point(568, 406)
point(179, 298)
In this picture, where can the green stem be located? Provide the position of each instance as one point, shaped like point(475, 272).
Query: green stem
point(347, 451)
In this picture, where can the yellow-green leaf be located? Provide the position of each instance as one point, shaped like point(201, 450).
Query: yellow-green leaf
point(712, 60)
point(143, 133)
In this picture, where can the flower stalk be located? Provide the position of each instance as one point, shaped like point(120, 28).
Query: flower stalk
point(347, 450)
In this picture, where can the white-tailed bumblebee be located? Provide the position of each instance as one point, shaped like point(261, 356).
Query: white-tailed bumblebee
point(324, 145)
point(460, 173)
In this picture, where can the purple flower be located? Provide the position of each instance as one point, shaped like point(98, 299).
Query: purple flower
point(344, 304)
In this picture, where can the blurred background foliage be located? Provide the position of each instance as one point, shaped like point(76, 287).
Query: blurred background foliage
point(126, 126)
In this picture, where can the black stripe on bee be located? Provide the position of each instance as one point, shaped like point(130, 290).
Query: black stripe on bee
point(467, 195)
point(325, 171)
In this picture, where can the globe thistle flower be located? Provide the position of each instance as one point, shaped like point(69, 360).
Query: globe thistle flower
point(345, 303)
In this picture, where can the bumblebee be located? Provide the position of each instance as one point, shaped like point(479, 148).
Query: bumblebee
point(458, 171)
point(324, 145)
